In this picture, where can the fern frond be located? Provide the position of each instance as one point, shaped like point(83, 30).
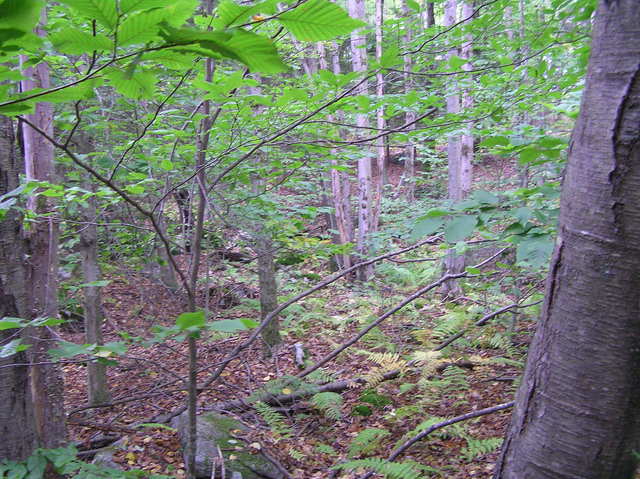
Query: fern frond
point(480, 447)
point(274, 419)
point(297, 455)
point(453, 430)
point(386, 362)
point(366, 441)
point(322, 376)
point(390, 470)
point(329, 403)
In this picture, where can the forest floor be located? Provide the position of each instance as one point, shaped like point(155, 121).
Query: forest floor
point(148, 381)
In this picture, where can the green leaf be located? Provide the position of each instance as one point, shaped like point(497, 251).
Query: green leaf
point(103, 11)
point(472, 270)
point(136, 86)
point(18, 17)
point(232, 325)
point(522, 214)
point(390, 57)
point(256, 51)
point(11, 323)
point(535, 251)
point(141, 27)
point(190, 321)
point(412, 4)
point(459, 228)
point(76, 42)
point(426, 227)
point(485, 197)
point(495, 141)
point(128, 6)
point(230, 13)
point(66, 349)
point(317, 20)
point(13, 347)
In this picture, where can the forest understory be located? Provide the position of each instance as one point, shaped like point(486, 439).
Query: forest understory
point(477, 372)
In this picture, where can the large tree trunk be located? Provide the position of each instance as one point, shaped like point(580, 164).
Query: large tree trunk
point(16, 410)
point(46, 379)
point(577, 411)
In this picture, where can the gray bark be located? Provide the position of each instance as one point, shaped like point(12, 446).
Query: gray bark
point(16, 409)
point(97, 387)
point(578, 410)
point(409, 174)
point(42, 272)
point(365, 191)
point(453, 263)
point(340, 184)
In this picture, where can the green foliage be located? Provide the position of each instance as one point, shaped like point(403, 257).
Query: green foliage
point(317, 20)
point(390, 470)
point(367, 441)
point(64, 461)
point(479, 447)
point(274, 419)
point(329, 403)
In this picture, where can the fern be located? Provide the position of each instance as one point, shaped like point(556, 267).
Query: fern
point(297, 455)
point(479, 447)
point(386, 362)
point(366, 441)
point(321, 376)
point(448, 432)
point(329, 403)
point(454, 379)
point(274, 419)
point(390, 470)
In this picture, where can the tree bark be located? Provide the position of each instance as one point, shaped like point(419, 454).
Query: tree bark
point(16, 409)
point(578, 410)
point(453, 262)
point(410, 116)
point(42, 272)
point(340, 184)
point(365, 191)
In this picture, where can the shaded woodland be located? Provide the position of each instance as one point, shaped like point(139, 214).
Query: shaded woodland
point(312, 239)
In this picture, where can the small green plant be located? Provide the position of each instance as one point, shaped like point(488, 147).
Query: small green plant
point(329, 403)
point(274, 419)
point(479, 447)
point(366, 442)
point(389, 470)
point(64, 461)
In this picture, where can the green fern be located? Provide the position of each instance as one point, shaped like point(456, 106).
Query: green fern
point(390, 470)
point(274, 419)
point(366, 442)
point(297, 455)
point(479, 447)
point(329, 403)
point(321, 376)
point(448, 432)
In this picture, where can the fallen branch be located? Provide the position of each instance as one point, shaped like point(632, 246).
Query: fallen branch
point(403, 447)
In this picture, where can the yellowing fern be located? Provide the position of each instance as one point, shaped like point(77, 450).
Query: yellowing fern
point(387, 362)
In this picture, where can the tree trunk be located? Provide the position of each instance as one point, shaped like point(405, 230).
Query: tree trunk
point(46, 380)
point(16, 409)
point(577, 411)
point(365, 191)
point(268, 291)
point(340, 184)
point(453, 263)
point(410, 116)
point(97, 387)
